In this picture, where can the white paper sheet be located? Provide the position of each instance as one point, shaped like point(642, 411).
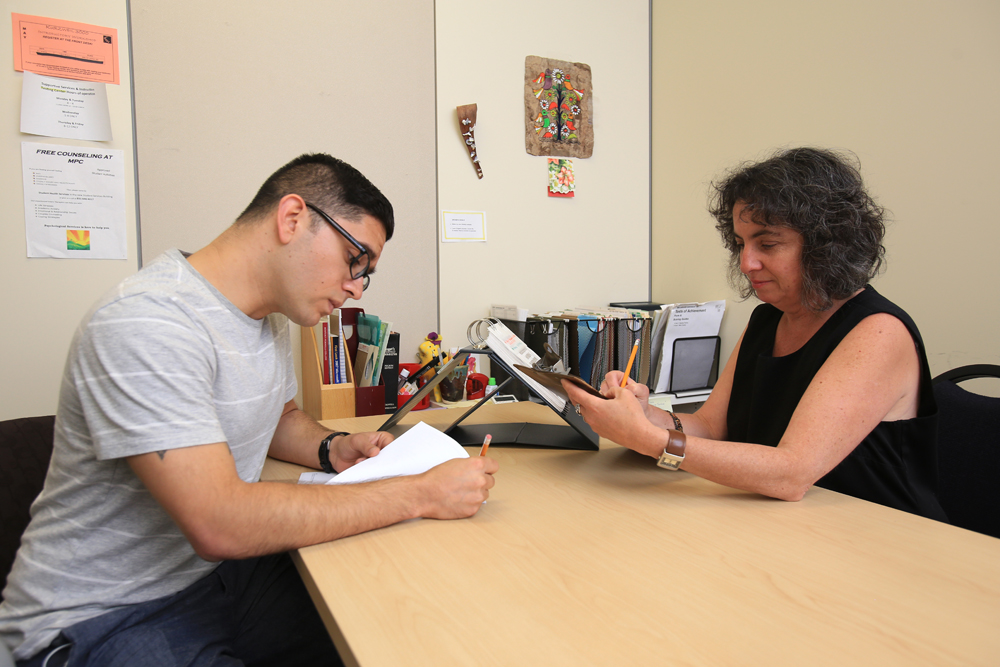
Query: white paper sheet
point(416, 451)
point(463, 226)
point(64, 108)
point(74, 201)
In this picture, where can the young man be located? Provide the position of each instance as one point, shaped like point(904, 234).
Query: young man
point(178, 384)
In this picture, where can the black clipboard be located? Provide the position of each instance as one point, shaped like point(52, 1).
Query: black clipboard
point(575, 434)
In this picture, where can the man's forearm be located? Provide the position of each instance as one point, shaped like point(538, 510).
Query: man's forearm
point(225, 517)
point(297, 438)
point(270, 517)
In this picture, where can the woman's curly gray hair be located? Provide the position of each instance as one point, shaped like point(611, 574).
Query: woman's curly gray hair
point(818, 193)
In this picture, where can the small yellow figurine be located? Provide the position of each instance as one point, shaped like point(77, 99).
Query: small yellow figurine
point(430, 348)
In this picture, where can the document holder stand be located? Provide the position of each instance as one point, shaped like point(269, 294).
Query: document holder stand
point(695, 365)
point(576, 434)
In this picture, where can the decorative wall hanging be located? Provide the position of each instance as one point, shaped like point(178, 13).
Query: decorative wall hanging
point(558, 112)
point(467, 122)
point(562, 183)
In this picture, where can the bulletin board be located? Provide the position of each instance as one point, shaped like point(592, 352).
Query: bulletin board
point(44, 299)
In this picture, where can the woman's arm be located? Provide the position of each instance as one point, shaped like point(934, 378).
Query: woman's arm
point(873, 375)
point(709, 421)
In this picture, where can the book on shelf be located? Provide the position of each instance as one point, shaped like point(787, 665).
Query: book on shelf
point(335, 356)
point(330, 345)
point(383, 344)
point(322, 331)
point(341, 346)
point(390, 372)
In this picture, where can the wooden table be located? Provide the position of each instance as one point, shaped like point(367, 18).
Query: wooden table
point(601, 558)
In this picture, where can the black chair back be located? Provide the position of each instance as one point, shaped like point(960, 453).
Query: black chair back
point(969, 451)
point(25, 450)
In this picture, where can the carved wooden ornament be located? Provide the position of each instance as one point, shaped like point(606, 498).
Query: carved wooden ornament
point(467, 123)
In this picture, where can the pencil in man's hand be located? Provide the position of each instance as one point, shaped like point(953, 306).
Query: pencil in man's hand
point(631, 359)
point(486, 444)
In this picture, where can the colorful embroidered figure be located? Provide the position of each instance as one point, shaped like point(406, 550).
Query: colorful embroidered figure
point(560, 106)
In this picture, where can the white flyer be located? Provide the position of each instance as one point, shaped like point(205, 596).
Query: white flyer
point(64, 108)
point(74, 201)
point(463, 226)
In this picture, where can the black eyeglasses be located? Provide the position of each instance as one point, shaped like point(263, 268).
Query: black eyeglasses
point(361, 262)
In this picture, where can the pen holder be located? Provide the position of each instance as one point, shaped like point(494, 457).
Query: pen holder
point(453, 386)
point(425, 402)
point(475, 386)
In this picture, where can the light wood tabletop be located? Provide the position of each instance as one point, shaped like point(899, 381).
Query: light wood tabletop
point(602, 558)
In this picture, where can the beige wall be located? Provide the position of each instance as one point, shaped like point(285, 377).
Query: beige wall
point(228, 92)
point(44, 299)
point(911, 87)
point(542, 253)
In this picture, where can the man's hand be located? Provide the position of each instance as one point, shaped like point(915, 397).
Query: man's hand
point(348, 450)
point(458, 488)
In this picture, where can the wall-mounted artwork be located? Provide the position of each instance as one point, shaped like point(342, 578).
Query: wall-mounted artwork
point(467, 124)
point(558, 112)
point(562, 182)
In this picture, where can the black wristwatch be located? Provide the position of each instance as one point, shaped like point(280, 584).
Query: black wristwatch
point(324, 452)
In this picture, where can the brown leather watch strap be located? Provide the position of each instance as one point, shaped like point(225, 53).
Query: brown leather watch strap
point(676, 442)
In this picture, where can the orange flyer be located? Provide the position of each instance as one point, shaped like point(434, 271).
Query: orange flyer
point(65, 49)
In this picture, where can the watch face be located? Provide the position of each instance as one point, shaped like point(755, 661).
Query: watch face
point(669, 461)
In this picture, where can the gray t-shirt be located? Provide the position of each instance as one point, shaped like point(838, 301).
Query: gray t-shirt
point(161, 362)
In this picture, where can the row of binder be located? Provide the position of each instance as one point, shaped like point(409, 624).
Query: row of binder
point(678, 343)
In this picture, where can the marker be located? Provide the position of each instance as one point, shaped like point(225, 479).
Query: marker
point(628, 369)
point(486, 444)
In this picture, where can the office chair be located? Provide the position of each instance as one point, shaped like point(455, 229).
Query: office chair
point(25, 450)
point(969, 450)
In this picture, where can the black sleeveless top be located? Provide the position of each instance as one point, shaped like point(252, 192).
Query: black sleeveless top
point(895, 465)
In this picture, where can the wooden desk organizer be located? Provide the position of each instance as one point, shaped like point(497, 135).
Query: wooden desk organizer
point(323, 401)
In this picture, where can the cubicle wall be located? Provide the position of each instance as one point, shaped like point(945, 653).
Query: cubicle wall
point(44, 299)
point(228, 92)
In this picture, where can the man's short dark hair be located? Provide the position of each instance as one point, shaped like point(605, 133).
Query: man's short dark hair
point(336, 187)
point(818, 193)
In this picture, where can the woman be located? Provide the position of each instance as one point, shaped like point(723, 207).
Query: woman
point(829, 383)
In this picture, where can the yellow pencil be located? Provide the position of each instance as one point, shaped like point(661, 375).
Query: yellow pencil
point(486, 444)
point(628, 369)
